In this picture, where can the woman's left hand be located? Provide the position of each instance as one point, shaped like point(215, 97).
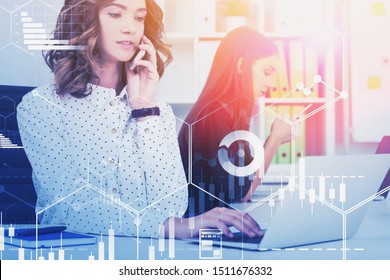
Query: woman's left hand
point(142, 81)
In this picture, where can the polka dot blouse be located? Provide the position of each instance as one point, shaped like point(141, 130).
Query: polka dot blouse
point(95, 167)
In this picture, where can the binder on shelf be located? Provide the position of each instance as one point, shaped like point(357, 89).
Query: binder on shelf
point(284, 150)
point(282, 91)
point(269, 119)
point(274, 92)
point(299, 134)
point(296, 67)
point(48, 237)
point(311, 70)
point(284, 88)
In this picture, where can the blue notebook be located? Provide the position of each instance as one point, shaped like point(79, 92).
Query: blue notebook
point(48, 236)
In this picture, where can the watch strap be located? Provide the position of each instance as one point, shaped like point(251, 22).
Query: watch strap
point(144, 112)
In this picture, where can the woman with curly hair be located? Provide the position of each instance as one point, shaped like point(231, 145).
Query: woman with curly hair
point(103, 149)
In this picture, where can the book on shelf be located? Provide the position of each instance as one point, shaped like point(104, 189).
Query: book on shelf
point(282, 91)
point(311, 70)
point(296, 67)
point(268, 121)
point(283, 85)
point(299, 134)
point(44, 236)
point(284, 150)
point(274, 92)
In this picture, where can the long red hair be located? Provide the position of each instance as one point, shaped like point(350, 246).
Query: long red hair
point(225, 84)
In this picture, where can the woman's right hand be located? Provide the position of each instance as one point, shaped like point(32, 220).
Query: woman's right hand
point(280, 131)
point(222, 218)
point(143, 80)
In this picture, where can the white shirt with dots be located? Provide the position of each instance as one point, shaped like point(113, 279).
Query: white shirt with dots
point(95, 167)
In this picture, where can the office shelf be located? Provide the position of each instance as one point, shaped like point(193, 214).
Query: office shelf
point(296, 101)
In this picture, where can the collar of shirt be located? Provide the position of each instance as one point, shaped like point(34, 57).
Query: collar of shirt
point(101, 95)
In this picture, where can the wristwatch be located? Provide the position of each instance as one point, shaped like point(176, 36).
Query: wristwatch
point(144, 112)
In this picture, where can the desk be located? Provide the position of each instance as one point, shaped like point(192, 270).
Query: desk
point(372, 241)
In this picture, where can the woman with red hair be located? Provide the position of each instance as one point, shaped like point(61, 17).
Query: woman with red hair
point(240, 74)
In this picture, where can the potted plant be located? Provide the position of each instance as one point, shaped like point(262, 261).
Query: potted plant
point(235, 12)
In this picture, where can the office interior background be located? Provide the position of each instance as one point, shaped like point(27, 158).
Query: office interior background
point(342, 41)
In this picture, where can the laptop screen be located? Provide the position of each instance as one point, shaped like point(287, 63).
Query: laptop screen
point(384, 148)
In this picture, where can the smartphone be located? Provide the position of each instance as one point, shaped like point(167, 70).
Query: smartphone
point(138, 57)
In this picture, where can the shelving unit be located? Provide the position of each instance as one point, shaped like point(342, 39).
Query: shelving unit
point(195, 27)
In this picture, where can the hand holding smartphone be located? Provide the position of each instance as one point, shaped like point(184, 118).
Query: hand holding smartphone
point(138, 57)
point(142, 75)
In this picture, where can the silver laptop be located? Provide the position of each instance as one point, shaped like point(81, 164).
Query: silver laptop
point(329, 192)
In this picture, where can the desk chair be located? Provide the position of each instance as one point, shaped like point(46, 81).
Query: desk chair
point(17, 194)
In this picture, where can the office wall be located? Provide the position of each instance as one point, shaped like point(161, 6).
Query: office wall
point(370, 69)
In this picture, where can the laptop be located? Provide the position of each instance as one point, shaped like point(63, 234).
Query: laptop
point(384, 148)
point(334, 187)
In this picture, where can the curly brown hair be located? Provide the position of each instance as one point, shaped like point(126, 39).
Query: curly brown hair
point(78, 22)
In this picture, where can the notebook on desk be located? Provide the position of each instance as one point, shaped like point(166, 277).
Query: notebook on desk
point(44, 236)
point(334, 187)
